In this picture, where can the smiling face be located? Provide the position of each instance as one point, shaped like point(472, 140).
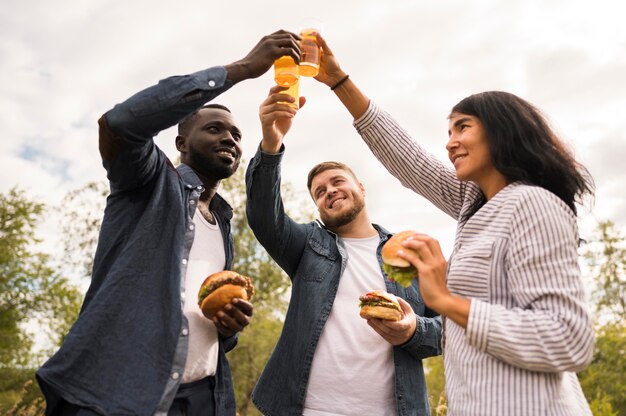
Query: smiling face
point(211, 144)
point(468, 150)
point(338, 196)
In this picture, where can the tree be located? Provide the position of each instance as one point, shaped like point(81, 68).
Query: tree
point(82, 214)
point(32, 292)
point(606, 257)
point(602, 381)
point(436, 386)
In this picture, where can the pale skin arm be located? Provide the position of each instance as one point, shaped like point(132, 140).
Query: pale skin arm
point(396, 332)
point(276, 118)
point(424, 252)
point(331, 73)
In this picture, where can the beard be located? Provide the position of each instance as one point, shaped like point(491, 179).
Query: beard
point(344, 218)
point(214, 169)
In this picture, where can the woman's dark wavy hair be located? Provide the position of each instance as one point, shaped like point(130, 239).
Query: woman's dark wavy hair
point(523, 147)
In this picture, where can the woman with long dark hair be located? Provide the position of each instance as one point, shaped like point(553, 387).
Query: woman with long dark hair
point(516, 324)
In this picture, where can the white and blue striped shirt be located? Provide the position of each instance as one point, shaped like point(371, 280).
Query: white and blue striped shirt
point(516, 260)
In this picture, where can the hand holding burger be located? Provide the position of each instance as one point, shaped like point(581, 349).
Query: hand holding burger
point(397, 268)
point(219, 289)
point(396, 321)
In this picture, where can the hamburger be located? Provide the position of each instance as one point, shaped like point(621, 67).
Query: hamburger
point(398, 269)
point(380, 304)
point(221, 288)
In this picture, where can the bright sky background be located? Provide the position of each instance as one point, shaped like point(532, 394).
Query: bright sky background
point(63, 63)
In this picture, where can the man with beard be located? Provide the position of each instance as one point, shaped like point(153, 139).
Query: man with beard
point(141, 345)
point(327, 360)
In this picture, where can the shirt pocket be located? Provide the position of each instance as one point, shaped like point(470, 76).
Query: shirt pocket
point(317, 261)
point(470, 270)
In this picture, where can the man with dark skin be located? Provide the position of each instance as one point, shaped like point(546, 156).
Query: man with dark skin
point(141, 345)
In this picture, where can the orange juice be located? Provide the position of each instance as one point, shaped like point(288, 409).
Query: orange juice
point(293, 91)
point(285, 71)
point(310, 53)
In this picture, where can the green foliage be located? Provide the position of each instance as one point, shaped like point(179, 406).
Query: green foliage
point(603, 381)
point(606, 257)
point(82, 211)
point(436, 385)
point(32, 293)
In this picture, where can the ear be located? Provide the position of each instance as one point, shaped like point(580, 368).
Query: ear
point(362, 188)
point(181, 144)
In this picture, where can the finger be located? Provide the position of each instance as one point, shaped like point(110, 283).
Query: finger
point(323, 44)
point(244, 306)
point(229, 322)
point(406, 308)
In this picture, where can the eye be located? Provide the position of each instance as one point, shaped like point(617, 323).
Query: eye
point(213, 129)
point(236, 135)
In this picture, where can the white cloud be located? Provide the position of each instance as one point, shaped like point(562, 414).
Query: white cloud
point(65, 63)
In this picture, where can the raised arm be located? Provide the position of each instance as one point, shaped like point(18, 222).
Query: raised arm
point(127, 130)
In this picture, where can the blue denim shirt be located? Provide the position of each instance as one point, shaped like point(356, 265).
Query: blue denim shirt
point(314, 259)
point(126, 353)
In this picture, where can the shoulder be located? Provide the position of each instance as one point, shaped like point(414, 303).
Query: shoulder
point(534, 203)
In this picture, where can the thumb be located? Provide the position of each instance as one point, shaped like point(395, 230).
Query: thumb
point(302, 101)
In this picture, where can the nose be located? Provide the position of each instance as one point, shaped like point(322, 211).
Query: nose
point(452, 144)
point(228, 138)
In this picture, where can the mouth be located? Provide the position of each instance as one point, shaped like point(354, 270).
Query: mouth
point(227, 153)
point(337, 200)
point(454, 159)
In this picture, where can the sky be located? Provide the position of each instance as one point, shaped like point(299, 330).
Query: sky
point(64, 63)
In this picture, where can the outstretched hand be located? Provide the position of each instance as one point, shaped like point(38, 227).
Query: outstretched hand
point(276, 118)
point(330, 72)
point(263, 55)
point(396, 332)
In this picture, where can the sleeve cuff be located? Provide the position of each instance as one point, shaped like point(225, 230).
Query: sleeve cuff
point(418, 335)
point(367, 119)
point(271, 158)
point(212, 78)
point(477, 331)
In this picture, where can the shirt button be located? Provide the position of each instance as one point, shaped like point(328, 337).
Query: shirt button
point(175, 375)
point(185, 331)
point(211, 83)
point(184, 261)
point(191, 226)
point(182, 295)
point(192, 202)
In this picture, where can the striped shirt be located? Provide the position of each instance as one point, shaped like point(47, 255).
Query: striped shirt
point(516, 260)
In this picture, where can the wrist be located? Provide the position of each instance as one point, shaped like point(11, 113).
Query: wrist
point(339, 81)
point(237, 71)
point(270, 147)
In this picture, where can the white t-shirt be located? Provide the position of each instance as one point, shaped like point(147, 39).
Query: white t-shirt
point(353, 371)
point(206, 257)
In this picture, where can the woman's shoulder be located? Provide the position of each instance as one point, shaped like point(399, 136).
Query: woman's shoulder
point(536, 200)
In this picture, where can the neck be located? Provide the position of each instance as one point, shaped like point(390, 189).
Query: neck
point(360, 227)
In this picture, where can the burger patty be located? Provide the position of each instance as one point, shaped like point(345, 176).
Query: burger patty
point(230, 280)
point(372, 300)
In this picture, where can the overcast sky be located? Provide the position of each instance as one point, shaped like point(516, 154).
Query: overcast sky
point(63, 63)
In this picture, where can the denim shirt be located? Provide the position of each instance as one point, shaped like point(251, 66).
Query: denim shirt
point(314, 259)
point(126, 353)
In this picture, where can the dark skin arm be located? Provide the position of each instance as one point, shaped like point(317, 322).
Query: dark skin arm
point(263, 55)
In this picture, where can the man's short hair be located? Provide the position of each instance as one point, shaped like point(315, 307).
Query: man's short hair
point(185, 124)
point(324, 166)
